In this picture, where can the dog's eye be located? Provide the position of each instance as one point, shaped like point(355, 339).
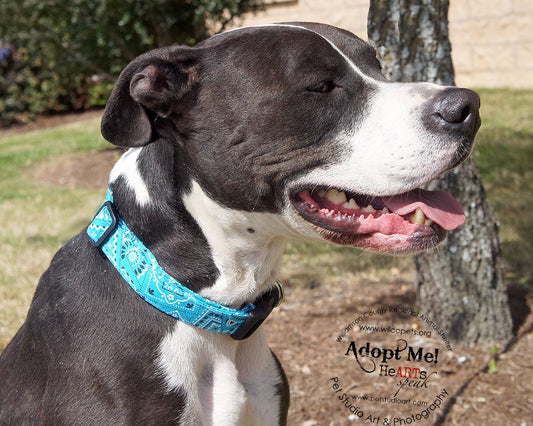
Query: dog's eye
point(323, 87)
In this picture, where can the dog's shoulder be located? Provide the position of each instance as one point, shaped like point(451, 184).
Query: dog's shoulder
point(81, 309)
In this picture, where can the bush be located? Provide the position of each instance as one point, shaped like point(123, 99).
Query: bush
point(65, 54)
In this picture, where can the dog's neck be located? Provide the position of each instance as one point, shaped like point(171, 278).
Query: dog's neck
point(243, 245)
point(225, 255)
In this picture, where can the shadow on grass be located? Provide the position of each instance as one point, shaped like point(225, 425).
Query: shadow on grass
point(505, 159)
point(312, 264)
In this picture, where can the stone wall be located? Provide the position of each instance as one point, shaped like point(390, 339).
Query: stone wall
point(492, 40)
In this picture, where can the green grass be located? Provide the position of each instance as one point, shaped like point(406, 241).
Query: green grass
point(21, 152)
point(504, 156)
point(37, 219)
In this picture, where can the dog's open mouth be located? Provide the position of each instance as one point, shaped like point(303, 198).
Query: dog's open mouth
point(411, 221)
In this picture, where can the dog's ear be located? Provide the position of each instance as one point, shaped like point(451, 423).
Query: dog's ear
point(150, 86)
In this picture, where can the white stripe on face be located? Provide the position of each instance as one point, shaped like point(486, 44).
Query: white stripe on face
point(389, 151)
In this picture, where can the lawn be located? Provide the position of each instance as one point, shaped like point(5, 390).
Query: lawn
point(38, 218)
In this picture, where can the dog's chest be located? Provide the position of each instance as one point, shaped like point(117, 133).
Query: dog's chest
point(224, 381)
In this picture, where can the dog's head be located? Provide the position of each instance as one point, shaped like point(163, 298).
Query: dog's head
point(297, 120)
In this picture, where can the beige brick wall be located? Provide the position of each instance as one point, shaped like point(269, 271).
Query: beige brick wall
point(348, 14)
point(492, 40)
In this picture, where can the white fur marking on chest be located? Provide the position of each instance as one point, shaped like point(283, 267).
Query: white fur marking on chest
point(228, 382)
point(127, 167)
point(225, 382)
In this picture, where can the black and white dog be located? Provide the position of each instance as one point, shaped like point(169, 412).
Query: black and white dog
point(254, 136)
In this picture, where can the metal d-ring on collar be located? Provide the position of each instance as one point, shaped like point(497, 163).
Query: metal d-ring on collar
point(142, 272)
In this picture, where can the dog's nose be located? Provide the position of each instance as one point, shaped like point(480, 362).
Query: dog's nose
point(458, 109)
point(455, 112)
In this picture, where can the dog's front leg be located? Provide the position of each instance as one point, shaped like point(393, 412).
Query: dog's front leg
point(243, 387)
point(226, 382)
point(267, 390)
point(221, 397)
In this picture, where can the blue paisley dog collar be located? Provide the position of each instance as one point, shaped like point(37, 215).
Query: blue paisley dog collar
point(142, 272)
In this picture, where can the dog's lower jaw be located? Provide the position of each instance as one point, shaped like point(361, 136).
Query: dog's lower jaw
point(366, 222)
point(379, 243)
point(427, 237)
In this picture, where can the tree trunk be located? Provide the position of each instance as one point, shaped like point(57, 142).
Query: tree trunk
point(460, 283)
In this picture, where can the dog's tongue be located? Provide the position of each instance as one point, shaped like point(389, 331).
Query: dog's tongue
point(439, 206)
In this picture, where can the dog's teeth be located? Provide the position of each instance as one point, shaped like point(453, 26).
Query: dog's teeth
point(385, 210)
point(338, 197)
point(321, 193)
point(418, 217)
point(331, 194)
point(369, 209)
point(428, 222)
point(351, 204)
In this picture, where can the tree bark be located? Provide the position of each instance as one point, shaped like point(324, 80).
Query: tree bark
point(459, 284)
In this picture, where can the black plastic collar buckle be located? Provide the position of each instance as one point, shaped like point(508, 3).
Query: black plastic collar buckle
point(110, 228)
point(264, 305)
